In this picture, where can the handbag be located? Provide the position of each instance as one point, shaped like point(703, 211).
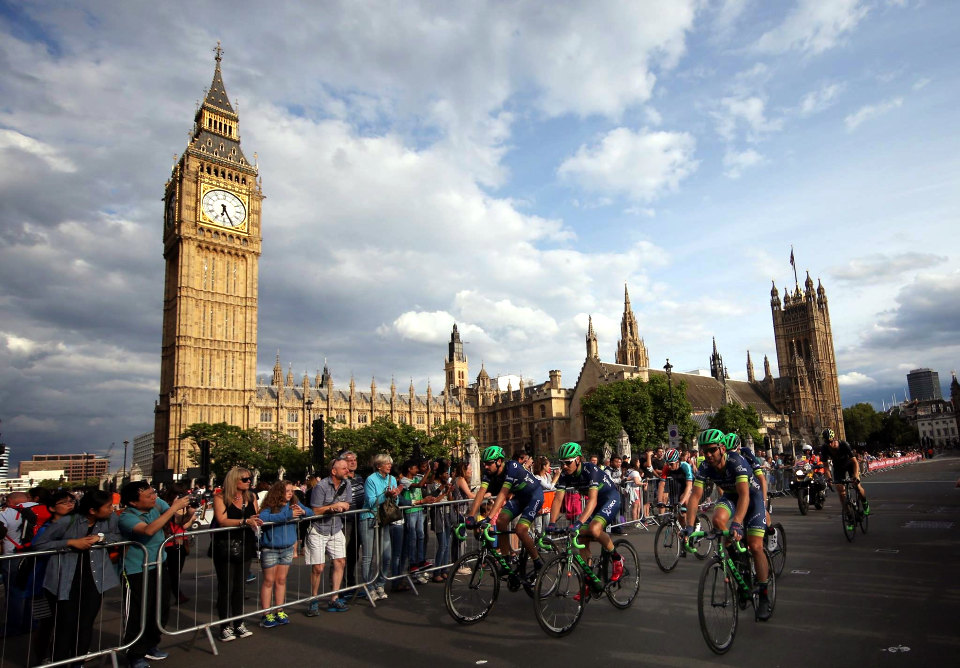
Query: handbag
point(389, 512)
point(233, 548)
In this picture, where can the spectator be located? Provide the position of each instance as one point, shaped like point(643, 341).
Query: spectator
point(178, 548)
point(18, 520)
point(235, 506)
point(142, 521)
point(522, 458)
point(425, 476)
point(276, 548)
point(548, 480)
point(634, 485)
point(76, 580)
point(378, 487)
point(459, 491)
point(330, 497)
point(41, 497)
point(442, 517)
point(413, 533)
point(58, 504)
point(351, 525)
point(595, 460)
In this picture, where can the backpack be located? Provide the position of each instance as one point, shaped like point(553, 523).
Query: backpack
point(22, 539)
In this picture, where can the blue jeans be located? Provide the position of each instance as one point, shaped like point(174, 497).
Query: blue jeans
point(415, 552)
point(367, 530)
point(392, 549)
point(443, 547)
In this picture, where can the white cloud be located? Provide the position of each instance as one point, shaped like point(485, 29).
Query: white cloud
point(641, 165)
point(19, 345)
point(869, 111)
point(11, 139)
point(653, 116)
point(818, 100)
point(921, 83)
point(429, 327)
point(884, 267)
point(503, 314)
point(813, 27)
point(744, 111)
point(735, 162)
point(854, 378)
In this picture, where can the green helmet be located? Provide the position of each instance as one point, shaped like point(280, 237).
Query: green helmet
point(570, 450)
point(732, 442)
point(711, 437)
point(493, 453)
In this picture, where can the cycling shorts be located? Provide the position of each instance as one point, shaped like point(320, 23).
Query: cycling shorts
point(607, 510)
point(755, 523)
point(843, 471)
point(526, 507)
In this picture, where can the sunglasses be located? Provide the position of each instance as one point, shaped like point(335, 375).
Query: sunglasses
point(567, 462)
point(248, 479)
point(710, 451)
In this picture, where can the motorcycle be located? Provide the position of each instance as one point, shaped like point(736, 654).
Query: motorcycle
point(808, 487)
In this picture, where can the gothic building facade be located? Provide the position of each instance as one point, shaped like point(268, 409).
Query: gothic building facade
point(212, 238)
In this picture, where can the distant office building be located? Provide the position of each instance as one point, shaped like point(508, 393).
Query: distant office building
point(4, 461)
point(143, 452)
point(76, 468)
point(27, 482)
point(924, 384)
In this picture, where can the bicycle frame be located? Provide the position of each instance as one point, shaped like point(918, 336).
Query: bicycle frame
point(572, 553)
point(723, 556)
point(487, 547)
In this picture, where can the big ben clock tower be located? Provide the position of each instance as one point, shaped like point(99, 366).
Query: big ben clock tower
point(211, 247)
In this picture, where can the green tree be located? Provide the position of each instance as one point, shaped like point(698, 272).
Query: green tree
point(895, 432)
point(862, 423)
point(449, 437)
point(660, 405)
point(735, 418)
point(230, 446)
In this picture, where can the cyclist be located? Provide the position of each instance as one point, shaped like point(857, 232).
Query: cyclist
point(845, 465)
point(741, 504)
point(601, 508)
point(680, 475)
point(733, 444)
point(509, 479)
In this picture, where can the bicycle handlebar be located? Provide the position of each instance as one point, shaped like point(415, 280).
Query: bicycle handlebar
point(696, 536)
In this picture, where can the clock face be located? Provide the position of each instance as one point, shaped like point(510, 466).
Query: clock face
point(171, 216)
point(224, 208)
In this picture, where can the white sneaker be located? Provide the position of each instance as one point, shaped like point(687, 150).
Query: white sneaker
point(464, 570)
point(241, 631)
point(421, 579)
point(772, 542)
point(227, 634)
point(381, 594)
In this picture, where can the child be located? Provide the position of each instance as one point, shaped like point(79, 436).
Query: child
point(276, 548)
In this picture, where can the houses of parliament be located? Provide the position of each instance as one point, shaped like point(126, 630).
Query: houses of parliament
point(212, 235)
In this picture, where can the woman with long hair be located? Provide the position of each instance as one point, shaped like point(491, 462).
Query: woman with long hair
point(276, 548)
point(76, 580)
point(234, 506)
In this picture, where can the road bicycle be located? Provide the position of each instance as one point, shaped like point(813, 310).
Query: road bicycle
point(473, 585)
point(775, 540)
point(852, 509)
point(728, 584)
point(668, 543)
point(566, 582)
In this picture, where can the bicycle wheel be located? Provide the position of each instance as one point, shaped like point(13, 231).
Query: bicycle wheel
point(623, 592)
point(527, 571)
point(776, 544)
point(862, 520)
point(848, 517)
point(717, 607)
point(666, 547)
point(470, 596)
point(771, 583)
point(704, 547)
point(559, 596)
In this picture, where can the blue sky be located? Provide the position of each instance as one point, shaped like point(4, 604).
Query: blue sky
point(505, 165)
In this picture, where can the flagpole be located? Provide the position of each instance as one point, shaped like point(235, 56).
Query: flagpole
point(794, 264)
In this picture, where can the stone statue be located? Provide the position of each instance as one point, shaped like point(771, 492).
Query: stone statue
point(473, 456)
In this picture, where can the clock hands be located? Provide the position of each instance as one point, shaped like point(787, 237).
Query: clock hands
point(223, 207)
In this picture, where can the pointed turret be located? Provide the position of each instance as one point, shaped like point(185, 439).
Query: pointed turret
point(821, 294)
point(277, 372)
point(766, 368)
point(774, 297)
point(318, 379)
point(353, 387)
point(306, 384)
point(411, 390)
point(751, 378)
point(592, 348)
point(716, 362)
point(373, 387)
point(290, 375)
point(631, 350)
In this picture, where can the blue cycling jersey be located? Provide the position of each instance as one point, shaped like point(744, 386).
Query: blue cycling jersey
point(515, 479)
point(683, 473)
point(752, 460)
point(735, 471)
point(589, 476)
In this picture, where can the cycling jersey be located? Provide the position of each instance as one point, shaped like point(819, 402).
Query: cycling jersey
point(683, 473)
point(527, 493)
point(752, 460)
point(843, 459)
point(590, 476)
point(736, 470)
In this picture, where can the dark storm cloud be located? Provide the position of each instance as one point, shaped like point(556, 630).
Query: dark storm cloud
point(927, 315)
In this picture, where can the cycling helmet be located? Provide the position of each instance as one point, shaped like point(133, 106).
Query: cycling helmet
point(711, 437)
point(807, 447)
point(493, 453)
point(673, 455)
point(827, 435)
point(570, 450)
point(732, 442)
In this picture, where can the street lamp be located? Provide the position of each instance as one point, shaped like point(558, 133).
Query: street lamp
point(669, 369)
point(306, 429)
point(125, 444)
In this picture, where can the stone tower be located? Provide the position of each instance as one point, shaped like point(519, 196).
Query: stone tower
point(211, 249)
point(717, 370)
point(455, 364)
point(593, 350)
point(751, 376)
point(631, 349)
point(808, 387)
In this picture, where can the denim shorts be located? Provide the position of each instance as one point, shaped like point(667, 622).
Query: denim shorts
point(272, 556)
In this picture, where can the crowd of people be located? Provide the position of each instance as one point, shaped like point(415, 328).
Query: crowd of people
point(370, 528)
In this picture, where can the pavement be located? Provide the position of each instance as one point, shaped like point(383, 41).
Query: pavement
point(890, 598)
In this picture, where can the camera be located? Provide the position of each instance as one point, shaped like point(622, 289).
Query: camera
point(194, 502)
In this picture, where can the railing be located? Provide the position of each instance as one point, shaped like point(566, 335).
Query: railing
point(32, 627)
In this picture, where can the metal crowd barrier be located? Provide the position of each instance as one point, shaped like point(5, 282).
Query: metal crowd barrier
point(202, 610)
point(31, 626)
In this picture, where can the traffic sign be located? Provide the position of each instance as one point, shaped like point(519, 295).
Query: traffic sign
point(674, 433)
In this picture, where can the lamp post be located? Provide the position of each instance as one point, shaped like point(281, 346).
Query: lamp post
point(309, 421)
point(125, 444)
point(669, 369)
